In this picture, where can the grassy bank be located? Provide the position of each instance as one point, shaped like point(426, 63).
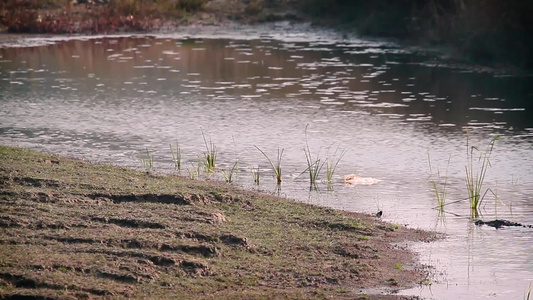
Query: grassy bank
point(485, 31)
point(71, 230)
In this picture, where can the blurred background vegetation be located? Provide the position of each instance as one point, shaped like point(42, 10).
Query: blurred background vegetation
point(91, 16)
point(486, 31)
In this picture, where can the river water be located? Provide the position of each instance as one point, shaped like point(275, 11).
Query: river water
point(388, 107)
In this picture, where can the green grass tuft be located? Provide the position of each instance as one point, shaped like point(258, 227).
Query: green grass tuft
point(478, 163)
point(147, 160)
point(228, 174)
point(277, 167)
point(210, 156)
point(176, 156)
point(314, 165)
point(332, 163)
point(440, 192)
point(255, 174)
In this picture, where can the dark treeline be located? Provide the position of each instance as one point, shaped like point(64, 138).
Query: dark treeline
point(487, 31)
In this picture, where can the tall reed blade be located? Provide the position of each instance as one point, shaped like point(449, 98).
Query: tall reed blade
point(176, 156)
point(210, 156)
point(194, 171)
point(440, 193)
point(476, 170)
point(313, 164)
point(331, 167)
point(277, 167)
point(147, 160)
point(255, 174)
point(228, 174)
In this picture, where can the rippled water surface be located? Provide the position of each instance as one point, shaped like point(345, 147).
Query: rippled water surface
point(109, 98)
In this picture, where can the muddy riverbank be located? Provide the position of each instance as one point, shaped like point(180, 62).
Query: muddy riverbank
point(75, 230)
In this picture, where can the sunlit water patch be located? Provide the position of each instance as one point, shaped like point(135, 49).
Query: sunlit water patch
point(109, 99)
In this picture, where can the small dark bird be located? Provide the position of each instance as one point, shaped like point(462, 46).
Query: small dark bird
point(379, 214)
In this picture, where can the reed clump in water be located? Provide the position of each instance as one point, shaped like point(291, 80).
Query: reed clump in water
point(176, 156)
point(275, 167)
point(228, 174)
point(314, 165)
point(476, 168)
point(256, 176)
point(440, 191)
point(147, 160)
point(210, 156)
point(332, 164)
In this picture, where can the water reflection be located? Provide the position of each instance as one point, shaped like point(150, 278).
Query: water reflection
point(388, 84)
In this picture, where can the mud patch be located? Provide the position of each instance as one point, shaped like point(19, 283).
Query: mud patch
point(46, 225)
point(130, 223)
point(355, 227)
point(347, 251)
point(223, 198)
point(149, 198)
point(196, 236)
point(124, 278)
point(21, 281)
point(160, 260)
point(71, 240)
point(27, 297)
point(233, 240)
point(205, 251)
point(157, 260)
point(29, 181)
point(195, 268)
point(202, 250)
point(10, 222)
